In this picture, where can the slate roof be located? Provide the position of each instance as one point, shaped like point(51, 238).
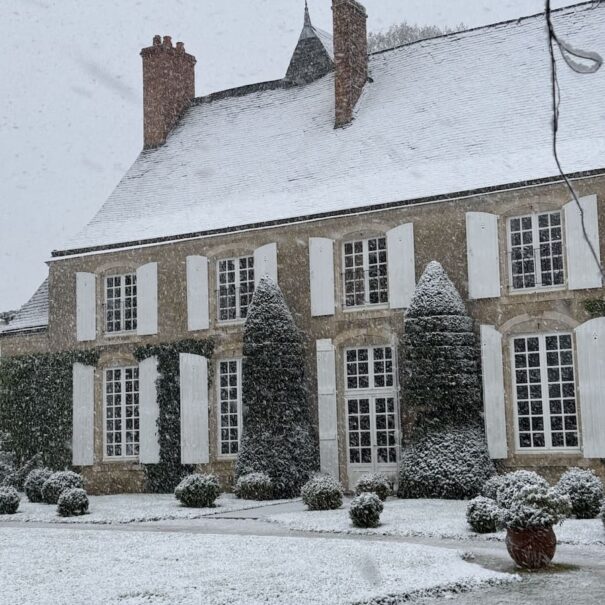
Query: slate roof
point(456, 113)
point(33, 315)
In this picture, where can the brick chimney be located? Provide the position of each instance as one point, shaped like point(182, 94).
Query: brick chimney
point(350, 56)
point(168, 87)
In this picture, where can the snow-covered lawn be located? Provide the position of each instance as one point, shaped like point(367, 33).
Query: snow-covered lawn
point(131, 508)
point(73, 566)
point(427, 518)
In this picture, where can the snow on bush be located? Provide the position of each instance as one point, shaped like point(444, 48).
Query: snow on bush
point(35, 482)
point(452, 464)
point(535, 507)
point(483, 515)
point(72, 502)
point(365, 510)
point(585, 491)
point(57, 483)
point(377, 483)
point(512, 483)
point(491, 486)
point(9, 500)
point(278, 437)
point(198, 491)
point(603, 513)
point(322, 492)
point(254, 486)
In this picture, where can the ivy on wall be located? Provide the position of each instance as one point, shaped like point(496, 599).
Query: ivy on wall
point(595, 307)
point(163, 477)
point(36, 405)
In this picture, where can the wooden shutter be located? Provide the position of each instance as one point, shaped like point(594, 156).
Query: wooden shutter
point(401, 266)
point(86, 307)
point(265, 263)
point(83, 415)
point(147, 299)
point(582, 270)
point(326, 396)
point(483, 255)
point(197, 293)
point(590, 346)
point(321, 276)
point(493, 392)
point(149, 449)
point(194, 409)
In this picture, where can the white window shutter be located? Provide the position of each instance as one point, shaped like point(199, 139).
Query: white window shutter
point(265, 263)
point(326, 395)
point(493, 392)
point(147, 299)
point(321, 276)
point(86, 307)
point(483, 255)
point(582, 270)
point(194, 409)
point(401, 266)
point(590, 346)
point(197, 293)
point(149, 449)
point(83, 415)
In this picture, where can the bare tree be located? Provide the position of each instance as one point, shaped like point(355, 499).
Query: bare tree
point(404, 33)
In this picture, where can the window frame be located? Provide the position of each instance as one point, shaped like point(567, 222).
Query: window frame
point(219, 414)
point(237, 284)
point(122, 299)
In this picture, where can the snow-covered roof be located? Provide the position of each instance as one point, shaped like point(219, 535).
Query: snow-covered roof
point(457, 113)
point(32, 315)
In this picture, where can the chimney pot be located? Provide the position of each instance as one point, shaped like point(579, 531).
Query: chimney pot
point(167, 42)
point(180, 47)
point(157, 40)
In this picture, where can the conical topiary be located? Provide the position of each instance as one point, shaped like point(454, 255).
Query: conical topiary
point(278, 438)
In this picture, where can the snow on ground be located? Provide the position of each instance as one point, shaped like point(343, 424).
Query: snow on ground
point(426, 518)
point(131, 508)
point(74, 566)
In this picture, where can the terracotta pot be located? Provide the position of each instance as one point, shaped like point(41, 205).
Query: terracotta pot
point(531, 548)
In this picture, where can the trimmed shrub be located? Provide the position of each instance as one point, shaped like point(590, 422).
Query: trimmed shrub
point(35, 482)
point(483, 515)
point(365, 510)
point(254, 486)
point(603, 513)
point(585, 491)
point(512, 483)
point(57, 483)
point(72, 502)
point(9, 500)
point(376, 483)
point(535, 507)
point(198, 491)
point(322, 492)
point(491, 486)
point(452, 464)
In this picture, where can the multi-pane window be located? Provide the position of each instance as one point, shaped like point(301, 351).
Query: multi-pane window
point(122, 412)
point(536, 250)
point(235, 287)
point(545, 391)
point(371, 406)
point(121, 303)
point(230, 397)
point(365, 272)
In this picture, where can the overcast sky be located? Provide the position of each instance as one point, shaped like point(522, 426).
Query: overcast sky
point(71, 94)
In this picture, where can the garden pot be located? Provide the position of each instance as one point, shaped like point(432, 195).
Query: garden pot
point(531, 548)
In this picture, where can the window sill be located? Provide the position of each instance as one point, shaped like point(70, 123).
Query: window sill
point(549, 452)
point(120, 334)
point(130, 460)
point(230, 322)
point(379, 307)
point(226, 458)
point(536, 290)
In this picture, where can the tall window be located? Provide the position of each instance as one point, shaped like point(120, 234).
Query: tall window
point(230, 405)
point(371, 406)
point(536, 250)
point(235, 287)
point(121, 303)
point(365, 272)
point(122, 412)
point(547, 416)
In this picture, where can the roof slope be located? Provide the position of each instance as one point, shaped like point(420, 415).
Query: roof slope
point(456, 113)
point(32, 315)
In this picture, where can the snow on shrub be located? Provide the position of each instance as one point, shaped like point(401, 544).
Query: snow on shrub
point(512, 483)
point(483, 515)
point(603, 513)
point(452, 464)
point(57, 483)
point(585, 491)
point(35, 482)
point(254, 486)
point(491, 486)
point(72, 502)
point(198, 491)
point(534, 506)
point(365, 510)
point(377, 483)
point(9, 500)
point(322, 492)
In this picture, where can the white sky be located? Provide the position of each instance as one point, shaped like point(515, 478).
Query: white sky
point(71, 94)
